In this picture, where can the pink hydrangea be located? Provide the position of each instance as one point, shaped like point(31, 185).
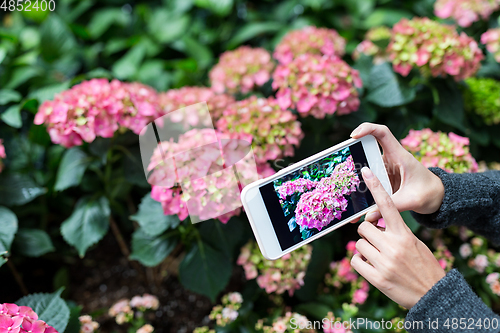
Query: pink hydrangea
point(465, 12)
point(289, 323)
point(465, 250)
point(2, 154)
point(444, 257)
point(317, 85)
point(227, 312)
point(97, 108)
point(299, 185)
point(274, 132)
point(491, 38)
point(278, 276)
point(145, 302)
point(436, 149)
point(147, 328)
point(87, 325)
point(241, 70)
point(332, 324)
point(175, 99)
point(21, 319)
point(310, 40)
point(434, 48)
point(369, 45)
point(480, 262)
point(179, 173)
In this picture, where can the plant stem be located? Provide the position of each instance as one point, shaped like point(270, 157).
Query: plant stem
point(119, 238)
point(17, 277)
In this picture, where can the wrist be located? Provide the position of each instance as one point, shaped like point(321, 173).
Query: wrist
point(436, 194)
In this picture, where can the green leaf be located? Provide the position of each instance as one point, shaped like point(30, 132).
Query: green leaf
point(20, 75)
point(87, 225)
point(2, 260)
point(73, 165)
point(167, 27)
point(12, 116)
point(224, 237)
point(205, 270)
point(410, 221)
point(7, 96)
point(56, 38)
point(8, 228)
point(386, 90)
point(151, 250)
point(18, 189)
point(314, 310)
point(127, 66)
point(252, 30)
point(151, 217)
point(385, 16)
point(50, 308)
point(103, 19)
point(48, 92)
point(219, 7)
point(198, 51)
point(33, 242)
point(450, 109)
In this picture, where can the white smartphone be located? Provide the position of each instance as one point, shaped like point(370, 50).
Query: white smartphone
point(313, 197)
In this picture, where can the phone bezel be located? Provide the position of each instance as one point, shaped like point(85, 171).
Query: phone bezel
point(259, 218)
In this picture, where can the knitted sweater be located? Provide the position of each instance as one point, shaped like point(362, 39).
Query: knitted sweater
point(471, 200)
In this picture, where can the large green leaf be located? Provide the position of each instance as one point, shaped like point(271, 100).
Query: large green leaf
point(20, 75)
point(50, 308)
point(385, 89)
point(223, 237)
point(450, 109)
point(166, 26)
point(88, 224)
point(104, 18)
point(8, 228)
point(18, 189)
point(73, 165)
point(56, 38)
point(220, 7)
point(205, 270)
point(7, 96)
point(48, 92)
point(252, 30)
point(151, 218)
point(127, 66)
point(12, 116)
point(151, 250)
point(33, 242)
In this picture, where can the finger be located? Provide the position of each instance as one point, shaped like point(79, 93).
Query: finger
point(385, 205)
point(364, 269)
point(356, 220)
point(373, 216)
point(372, 234)
point(381, 133)
point(368, 251)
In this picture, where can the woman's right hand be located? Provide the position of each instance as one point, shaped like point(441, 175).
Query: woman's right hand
point(414, 186)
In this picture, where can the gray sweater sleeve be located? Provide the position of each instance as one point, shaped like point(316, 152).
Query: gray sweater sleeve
point(471, 200)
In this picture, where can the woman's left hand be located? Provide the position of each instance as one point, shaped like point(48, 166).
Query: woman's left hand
point(394, 261)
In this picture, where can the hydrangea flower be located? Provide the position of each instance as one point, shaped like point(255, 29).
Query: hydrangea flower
point(121, 311)
point(483, 98)
point(327, 201)
point(87, 324)
point(289, 323)
point(436, 49)
point(227, 312)
point(2, 154)
point(299, 185)
point(145, 302)
point(184, 183)
point(317, 85)
point(175, 99)
point(284, 274)
point(370, 46)
point(147, 328)
point(97, 108)
point(436, 149)
point(491, 38)
point(493, 279)
point(274, 132)
point(465, 12)
point(332, 324)
point(22, 319)
point(444, 257)
point(465, 250)
point(241, 70)
point(312, 40)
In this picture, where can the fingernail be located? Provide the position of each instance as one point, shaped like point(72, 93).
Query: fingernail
point(371, 216)
point(367, 173)
point(355, 132)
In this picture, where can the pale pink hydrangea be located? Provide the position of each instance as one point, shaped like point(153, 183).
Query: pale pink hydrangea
point(145, 302)
point(465, 12)
point(436, 149)
point(491, 38)
point(21, 319)
point(480, 262)
point(147, 328)
point(317, 85)
point(87, 325)
point(369, 45)
point(2, 154)
point(444, 257)
point(434, 48)
point(175, 99)
point(97, 108)
point(299, 185)
point(289, 323)
point(177, 185)
point(241, 70)
point(121, 311)
point(312, 40)
point(465, 250)
point(227, 312)
point(274, 132)
point(332, 324)
point(278, 276)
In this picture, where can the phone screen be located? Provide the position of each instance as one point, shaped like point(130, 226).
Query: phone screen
point(317, 196)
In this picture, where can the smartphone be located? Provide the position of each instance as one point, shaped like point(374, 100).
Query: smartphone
point(313, 197)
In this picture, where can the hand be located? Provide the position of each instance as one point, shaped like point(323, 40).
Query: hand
point(414, 186)
point(394, 261)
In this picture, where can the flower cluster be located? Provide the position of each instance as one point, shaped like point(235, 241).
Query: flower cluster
point(2, 154)
point(122, 310)
point(327, 201)
point(480, 258)
point(371, 45)
point(317, 85)
point(21, 319)
point(176, 99)
point(299, 185)
point(434, 48)
point(493, 279)
point(227, 312)
point(465, 12)
point(342, 274)
point(241, 70)
point(284, 274)
point(190, 173)
point(332, 324)
point(203, 329)
point(289, 323)
point(274, 131)
point(97, 108)
point(311, 40)
point(483, 98)
point(436, 149)
point(87, 325)
point(444, 257)
point(145, 302)
point(147, 328)
point(491, 38)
